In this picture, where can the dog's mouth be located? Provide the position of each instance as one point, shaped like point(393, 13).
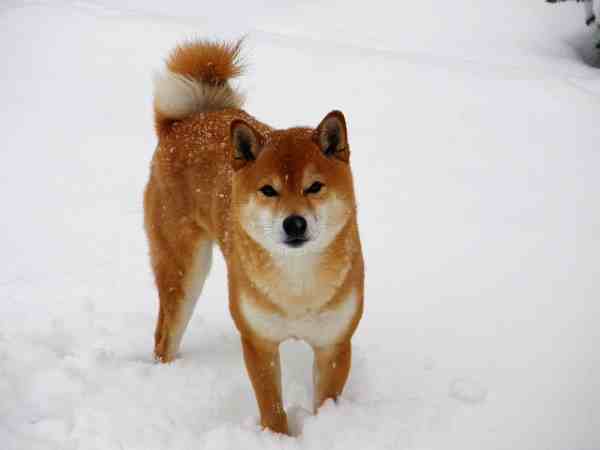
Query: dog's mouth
point(295, 242)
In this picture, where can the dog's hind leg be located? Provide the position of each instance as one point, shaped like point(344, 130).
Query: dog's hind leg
point(179, 279)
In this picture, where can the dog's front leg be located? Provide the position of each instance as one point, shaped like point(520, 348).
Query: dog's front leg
point(330, 371)
point(264, 369)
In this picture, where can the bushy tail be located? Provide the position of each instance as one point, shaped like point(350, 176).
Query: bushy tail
point(196, 80)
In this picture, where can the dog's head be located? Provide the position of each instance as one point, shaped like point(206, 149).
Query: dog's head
point(292, 189)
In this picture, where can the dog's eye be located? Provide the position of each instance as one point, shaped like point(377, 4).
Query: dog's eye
point(314, 188)
point(268, 191)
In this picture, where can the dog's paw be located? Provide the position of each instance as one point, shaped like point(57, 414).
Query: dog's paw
point(163, 358)
point(277, 423)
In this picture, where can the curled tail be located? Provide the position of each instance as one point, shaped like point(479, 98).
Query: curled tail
point(196, 80)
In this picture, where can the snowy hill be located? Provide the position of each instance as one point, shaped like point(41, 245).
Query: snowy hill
point(475, 140)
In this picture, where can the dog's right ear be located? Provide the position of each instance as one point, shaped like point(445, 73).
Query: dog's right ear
point(246, 142)
point(332, 136)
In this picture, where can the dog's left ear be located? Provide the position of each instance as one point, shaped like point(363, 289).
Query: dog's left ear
point(332, 137)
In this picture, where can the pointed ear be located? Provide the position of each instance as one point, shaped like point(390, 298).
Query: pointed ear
point(246, 142)
point(332, 137)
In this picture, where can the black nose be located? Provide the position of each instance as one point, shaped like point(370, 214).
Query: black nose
point(294, 226)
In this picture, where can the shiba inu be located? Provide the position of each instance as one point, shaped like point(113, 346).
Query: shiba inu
point(279, 204)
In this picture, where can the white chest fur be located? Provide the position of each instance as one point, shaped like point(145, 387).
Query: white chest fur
point(320, 328)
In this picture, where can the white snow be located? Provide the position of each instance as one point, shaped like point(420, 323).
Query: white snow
point(476, 150)
point(467, 391)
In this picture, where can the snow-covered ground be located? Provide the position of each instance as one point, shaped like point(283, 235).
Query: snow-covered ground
point(476, 151)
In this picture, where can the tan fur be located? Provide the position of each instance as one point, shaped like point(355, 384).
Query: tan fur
point(201, 190)
point(211, 62)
